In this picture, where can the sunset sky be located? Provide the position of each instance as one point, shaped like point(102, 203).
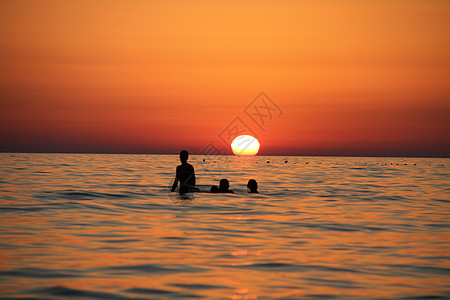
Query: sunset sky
point(349, 77)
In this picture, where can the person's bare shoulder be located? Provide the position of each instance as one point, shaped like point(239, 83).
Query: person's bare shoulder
point(189, 166)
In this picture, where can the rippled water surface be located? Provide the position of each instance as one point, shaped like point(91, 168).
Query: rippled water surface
point(105, 226)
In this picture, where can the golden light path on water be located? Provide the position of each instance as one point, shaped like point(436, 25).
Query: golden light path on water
point(104, 226)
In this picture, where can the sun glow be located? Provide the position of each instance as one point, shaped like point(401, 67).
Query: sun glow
point(245, 145)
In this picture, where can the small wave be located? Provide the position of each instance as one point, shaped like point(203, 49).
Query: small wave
point(141, 207)
point(424, 297)
point(285, 267)
point(199, 286)
point(153, 269)
point(89, 195)
point(173, 238)
point(438, 225)
point(150, 291)
point(120, 241)
point(421, 270)
point(17, 208)
point(40, 273)
point(386, 198)
point(335, 226)
point(81, 195)
point(334, 283)
point(106, 235)
point(61, 291)
point(159, 292)
point(442, 200)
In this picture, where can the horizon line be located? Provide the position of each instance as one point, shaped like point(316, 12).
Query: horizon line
point(198, 154)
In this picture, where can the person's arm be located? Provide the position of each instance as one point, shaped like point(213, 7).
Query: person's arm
point(174, 185)
point(195, 189)
point(175, 182)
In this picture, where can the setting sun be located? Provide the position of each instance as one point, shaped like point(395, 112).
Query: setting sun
point(245, 145)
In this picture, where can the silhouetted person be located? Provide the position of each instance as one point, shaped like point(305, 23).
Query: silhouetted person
point(252, 186)
point(224, 186)
point(185, 174)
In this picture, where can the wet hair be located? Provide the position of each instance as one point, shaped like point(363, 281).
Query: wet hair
point(252, 185)
point(184, 155)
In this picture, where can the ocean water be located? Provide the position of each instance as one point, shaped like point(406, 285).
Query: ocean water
point(105, 227)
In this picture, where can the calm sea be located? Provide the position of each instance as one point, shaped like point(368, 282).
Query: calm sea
point(104, 226)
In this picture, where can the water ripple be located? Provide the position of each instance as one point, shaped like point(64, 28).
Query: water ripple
point(152, 269)
point(41, 273)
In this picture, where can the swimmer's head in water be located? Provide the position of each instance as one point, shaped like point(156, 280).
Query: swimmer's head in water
point(224, 184)
point(252, 185)
point(184, 155)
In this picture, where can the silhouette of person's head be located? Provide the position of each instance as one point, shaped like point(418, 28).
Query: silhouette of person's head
point(184, 155)
point(224, 185)
point(214, 189)
point(252, 185)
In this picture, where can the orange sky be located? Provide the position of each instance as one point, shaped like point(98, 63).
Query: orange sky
point(135, 76)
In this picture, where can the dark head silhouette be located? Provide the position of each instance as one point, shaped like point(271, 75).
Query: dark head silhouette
point(252, 185)
point(224, 186)
point(185, 174)
point(184, 156)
